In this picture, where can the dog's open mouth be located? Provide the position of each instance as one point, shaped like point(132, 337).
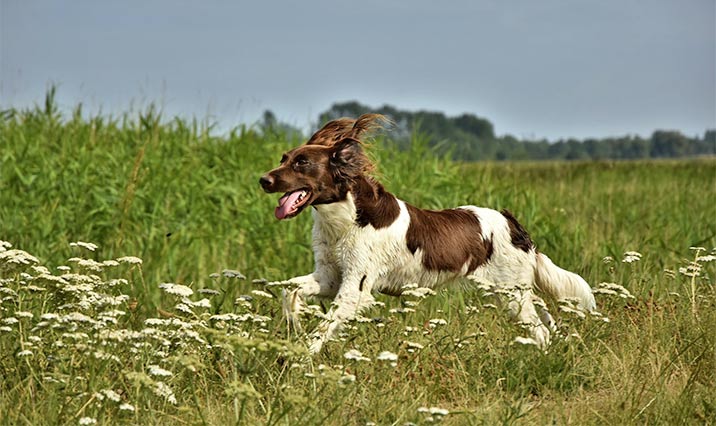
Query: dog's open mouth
point(292, 203)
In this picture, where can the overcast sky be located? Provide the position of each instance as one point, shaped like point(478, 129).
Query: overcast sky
point(547, 68)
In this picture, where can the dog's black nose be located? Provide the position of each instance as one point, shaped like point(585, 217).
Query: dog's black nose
point(266, 181)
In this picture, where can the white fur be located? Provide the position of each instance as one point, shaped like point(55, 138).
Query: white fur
point(352, 262)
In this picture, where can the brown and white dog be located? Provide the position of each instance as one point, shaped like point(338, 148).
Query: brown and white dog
point(366, 240)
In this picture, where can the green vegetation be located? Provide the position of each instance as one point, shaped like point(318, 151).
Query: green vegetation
point(470, 138)
point(95, 337)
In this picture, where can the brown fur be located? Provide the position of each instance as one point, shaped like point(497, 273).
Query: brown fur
point(374, 205)
point(336, 130)
point(448, 238)
point(518, 234)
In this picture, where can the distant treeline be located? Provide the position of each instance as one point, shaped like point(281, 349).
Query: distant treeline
point(471, 138)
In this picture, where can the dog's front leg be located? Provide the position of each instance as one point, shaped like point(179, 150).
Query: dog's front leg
point(316, 284)
point(353, 296)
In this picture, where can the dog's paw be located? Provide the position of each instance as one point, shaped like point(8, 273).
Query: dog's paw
point(316, 344)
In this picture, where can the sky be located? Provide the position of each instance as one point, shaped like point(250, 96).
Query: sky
point(536, 69)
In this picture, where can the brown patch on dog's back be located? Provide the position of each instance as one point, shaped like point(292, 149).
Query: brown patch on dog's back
point(374, 205)
point(519, 236)
point(449, 239)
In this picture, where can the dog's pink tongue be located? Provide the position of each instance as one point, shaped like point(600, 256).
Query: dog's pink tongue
point(285, 205)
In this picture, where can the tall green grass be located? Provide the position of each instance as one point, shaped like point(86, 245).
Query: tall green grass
point(188, 203)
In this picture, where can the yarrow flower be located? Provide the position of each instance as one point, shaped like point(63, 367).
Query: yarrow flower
point(132, 260)
point(261, 293)
point(613, 289)
point(176, 289)
point(17, 257)
point(434, 411)
point(355, 355)
point(436, 322)
point(631, 256)
point(156, 370)
point(88, 246)
point(126, 407)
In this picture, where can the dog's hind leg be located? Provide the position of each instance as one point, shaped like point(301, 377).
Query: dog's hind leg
point(522, 308)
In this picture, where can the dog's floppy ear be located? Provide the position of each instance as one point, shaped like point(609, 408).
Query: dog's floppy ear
point(369, 123)
point(347, 158)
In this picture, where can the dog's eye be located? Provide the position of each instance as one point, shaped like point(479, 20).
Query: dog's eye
point(301, 161)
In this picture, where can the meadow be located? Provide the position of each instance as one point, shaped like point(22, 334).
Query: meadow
point(167, 318)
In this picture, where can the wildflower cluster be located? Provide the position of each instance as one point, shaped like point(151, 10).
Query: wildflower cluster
point(77, 329)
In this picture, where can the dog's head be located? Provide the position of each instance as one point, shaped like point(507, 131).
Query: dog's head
point(321, 171)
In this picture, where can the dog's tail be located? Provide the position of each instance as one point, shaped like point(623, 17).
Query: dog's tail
point(561, 284)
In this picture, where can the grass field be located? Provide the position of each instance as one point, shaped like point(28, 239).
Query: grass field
point(92, 335)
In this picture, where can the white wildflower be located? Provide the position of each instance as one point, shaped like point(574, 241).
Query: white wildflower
point(613, 289)
point(224, 317)
point(707, 258)
point(132, 260)
point(40, 270)
point(232, 273)
point(631, 256)
point(17, 257)
point(355, 355)
point(64, 268)
point(126, 407)
point(433, 411)
point(436, 322)
point(86, 421)
point(4, 245)
point(419, 292)
point(5, 329)
point(261, 293)
point(110, 263)
point(49, 316)
point(203, 303)
point(439, 411)
point(34, 288)
point(401, 310)
point(76, 317)
point(88, 246)
point(571, 310)
point(388, 356)
point(10, 321)
point(24, 353)
point(90, 264)
point(693, 270)
point(156, 370)
point(176, 289)
point(163, 390)
point(413, 345)
point(111, 395)
point(104, 356)
point(209, 291)
point(181, 307)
